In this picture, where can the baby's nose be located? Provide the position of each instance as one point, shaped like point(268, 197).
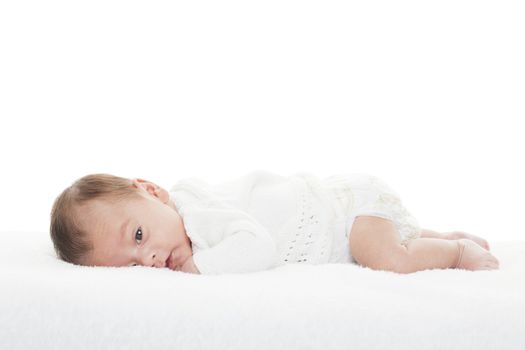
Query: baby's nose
point(157, 262)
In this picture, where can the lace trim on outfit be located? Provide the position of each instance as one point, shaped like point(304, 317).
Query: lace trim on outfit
point(312, 241)
point(389, 201)
point(363, 194)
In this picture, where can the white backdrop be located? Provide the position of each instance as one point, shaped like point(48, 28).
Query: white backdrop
point(429, 96)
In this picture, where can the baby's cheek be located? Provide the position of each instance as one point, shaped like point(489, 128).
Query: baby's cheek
point(179, 256)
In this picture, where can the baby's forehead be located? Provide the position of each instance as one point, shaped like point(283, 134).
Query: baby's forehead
point(99, 215)
point(120, 205)
point(97, 207)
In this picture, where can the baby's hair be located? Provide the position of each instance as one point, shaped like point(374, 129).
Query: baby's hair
point(70, 240)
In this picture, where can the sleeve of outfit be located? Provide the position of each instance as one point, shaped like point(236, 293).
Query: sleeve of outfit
point(243, 244)
point(225, 238)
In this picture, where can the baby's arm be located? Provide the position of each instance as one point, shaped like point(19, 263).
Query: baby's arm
point(227, 240)
point(247, 247)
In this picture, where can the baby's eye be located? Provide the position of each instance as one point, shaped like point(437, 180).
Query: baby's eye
point(138, 235)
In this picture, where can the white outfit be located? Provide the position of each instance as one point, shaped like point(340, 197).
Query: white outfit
point(263, 220)
point(360, 194)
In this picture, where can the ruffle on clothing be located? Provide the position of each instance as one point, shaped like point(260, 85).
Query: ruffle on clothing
point(389, 201)
point(361, 194)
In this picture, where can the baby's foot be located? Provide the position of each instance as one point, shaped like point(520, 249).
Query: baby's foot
point(477, 239)
point(473, 257)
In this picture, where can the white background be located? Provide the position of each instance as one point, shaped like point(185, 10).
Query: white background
point(429, 96)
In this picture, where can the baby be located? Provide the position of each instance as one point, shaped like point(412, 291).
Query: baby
point(256, 222)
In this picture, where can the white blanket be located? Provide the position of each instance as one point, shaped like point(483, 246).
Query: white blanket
point(49, 304)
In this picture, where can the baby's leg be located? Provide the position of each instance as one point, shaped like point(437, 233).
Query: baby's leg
point(425, 233)
point(455, 235)
point(375, 243)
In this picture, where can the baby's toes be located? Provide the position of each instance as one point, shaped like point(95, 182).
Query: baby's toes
point(496, 261)
point(482, 243)
point(492, 261)
point(492, 266)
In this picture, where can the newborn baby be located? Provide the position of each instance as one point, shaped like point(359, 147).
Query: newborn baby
point(256, 222)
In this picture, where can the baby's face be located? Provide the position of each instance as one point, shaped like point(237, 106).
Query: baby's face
point(142, 231)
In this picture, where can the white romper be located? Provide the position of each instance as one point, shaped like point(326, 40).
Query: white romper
point(358, 194)
point(262, 219)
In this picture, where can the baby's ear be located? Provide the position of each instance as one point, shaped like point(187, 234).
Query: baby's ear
point(162, 194)
point(151, 188)
point(145, 185)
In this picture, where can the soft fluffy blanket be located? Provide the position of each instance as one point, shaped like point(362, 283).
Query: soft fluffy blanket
point(49, 304)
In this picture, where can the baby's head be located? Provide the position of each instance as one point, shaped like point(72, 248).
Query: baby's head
point(107, 220)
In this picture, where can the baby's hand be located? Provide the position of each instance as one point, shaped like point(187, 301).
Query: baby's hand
point(189, 266)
